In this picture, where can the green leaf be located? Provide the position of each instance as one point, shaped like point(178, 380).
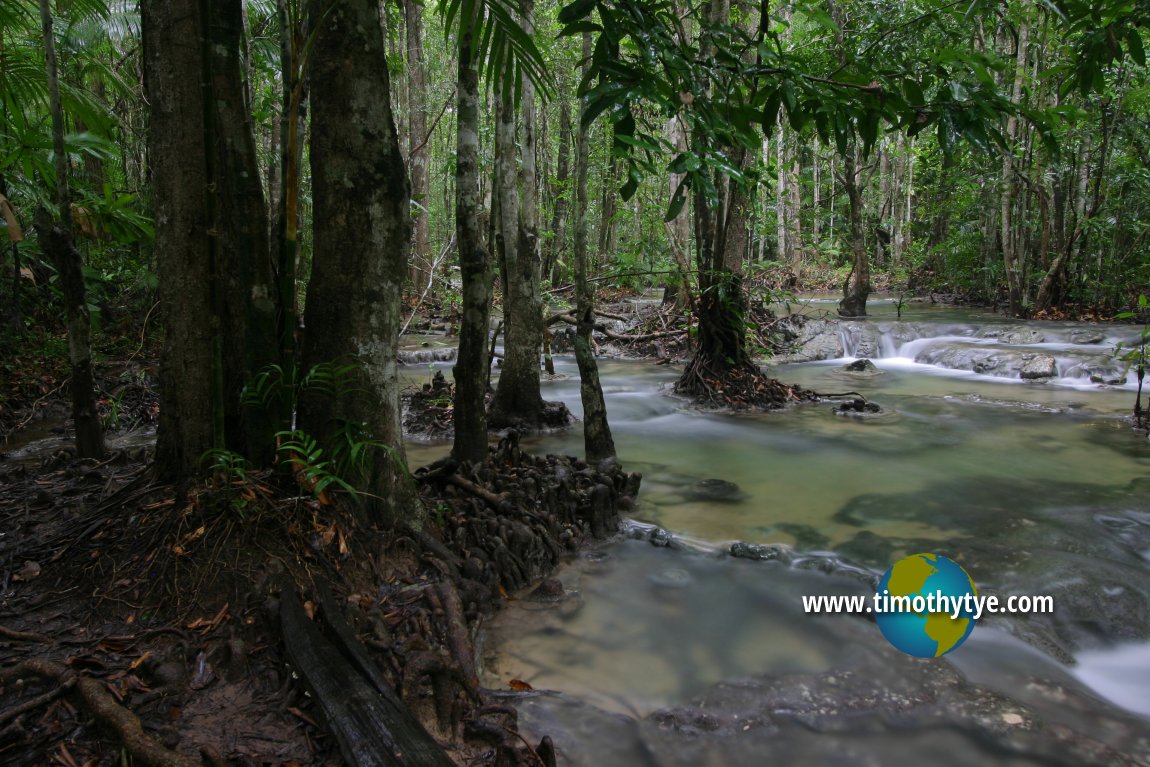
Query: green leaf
point(576, 11)
point(1134, 45)
point(678, 200)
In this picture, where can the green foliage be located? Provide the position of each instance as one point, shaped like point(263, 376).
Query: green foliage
point(346, 459)
point(1135, 357)
point(500, 47)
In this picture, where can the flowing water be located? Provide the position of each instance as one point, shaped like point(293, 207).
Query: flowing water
point(682, 654)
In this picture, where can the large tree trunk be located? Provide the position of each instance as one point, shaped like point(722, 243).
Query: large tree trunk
point(720, 245)
point(518, 401)
point(470, 370)
point(362, 235)
point(56, 242)
point(247, 295)
point(597, 440)
point(417, 142)
point(857, 287)
point(185, 257)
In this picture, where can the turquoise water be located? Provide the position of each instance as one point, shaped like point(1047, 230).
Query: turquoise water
point(1033, 487)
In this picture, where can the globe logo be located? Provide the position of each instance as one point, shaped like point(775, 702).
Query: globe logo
point(924, 605)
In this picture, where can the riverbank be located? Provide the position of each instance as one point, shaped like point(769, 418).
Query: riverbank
point(170, 603)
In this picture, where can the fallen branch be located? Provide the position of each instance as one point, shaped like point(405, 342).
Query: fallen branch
point(126, 724)
point(24, 636)
point(34, 703)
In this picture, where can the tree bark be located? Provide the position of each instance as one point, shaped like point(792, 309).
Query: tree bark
point(185, 257)
point(1012, 254)
point(679, 228)
point(293, 34)
point(247, 295)
point(417, 142)
point(362, 228)
point(518, 401)
point(857, 287)
point(561, 193)
point(470, 369)
point(56, 242)
point(597, 440)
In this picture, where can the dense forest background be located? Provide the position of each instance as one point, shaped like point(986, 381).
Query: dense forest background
point(993, 152)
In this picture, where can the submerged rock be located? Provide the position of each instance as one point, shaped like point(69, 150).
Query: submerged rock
point(713, 490)
point(811, 339)
point(989, 360)
point(863, 367)
point(763, 552)
point(1085, 337)
point(1014, 335)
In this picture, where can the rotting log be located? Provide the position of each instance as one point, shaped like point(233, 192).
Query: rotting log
point(370, 722)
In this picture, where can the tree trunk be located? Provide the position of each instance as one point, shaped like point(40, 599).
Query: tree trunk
point(597, 440)
point(857, 287)
point(56, 242)
point(1012, 256)
point(470, 369)
point(247, 296)
point(720, 245)
point(417, 142)
point(679, 228)
point(185, 256)
point(362, 227)
point(293, 36)
point(561, 193)
point(518, 366)
point(518, 401)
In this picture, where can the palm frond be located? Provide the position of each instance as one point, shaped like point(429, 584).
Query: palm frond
point(501, 47)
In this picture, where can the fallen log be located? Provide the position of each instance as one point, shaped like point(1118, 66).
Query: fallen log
point(370, 722)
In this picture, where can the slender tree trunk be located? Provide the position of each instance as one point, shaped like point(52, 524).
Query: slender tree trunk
point(362, 237)
point(185, 257)
point(857, 287)
point(56, 241)
point(293, 36)
point(597, 439)
point(474, 264)
point(679, 228)
point(418, 151)
point(561, 193)
point(607, 237)
point(1012, 255)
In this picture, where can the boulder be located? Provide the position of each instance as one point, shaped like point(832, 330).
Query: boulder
point(1037, 367)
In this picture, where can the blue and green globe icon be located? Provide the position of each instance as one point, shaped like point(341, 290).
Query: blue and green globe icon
point(936, 614)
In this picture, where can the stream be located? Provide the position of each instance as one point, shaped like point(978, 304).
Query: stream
point(669, 650)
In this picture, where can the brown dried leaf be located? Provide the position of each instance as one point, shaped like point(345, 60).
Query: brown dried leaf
point(30, 571)
point(518, 685)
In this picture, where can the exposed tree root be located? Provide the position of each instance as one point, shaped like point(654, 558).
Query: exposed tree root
point(126, 724)
point(741, 387)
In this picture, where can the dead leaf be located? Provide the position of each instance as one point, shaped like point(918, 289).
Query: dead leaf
point(14, 232)
point(518, 685)
point(30, 571)
point(136, 663)
point(302, 715)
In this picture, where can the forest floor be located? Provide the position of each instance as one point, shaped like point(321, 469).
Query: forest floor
point(130, 614)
